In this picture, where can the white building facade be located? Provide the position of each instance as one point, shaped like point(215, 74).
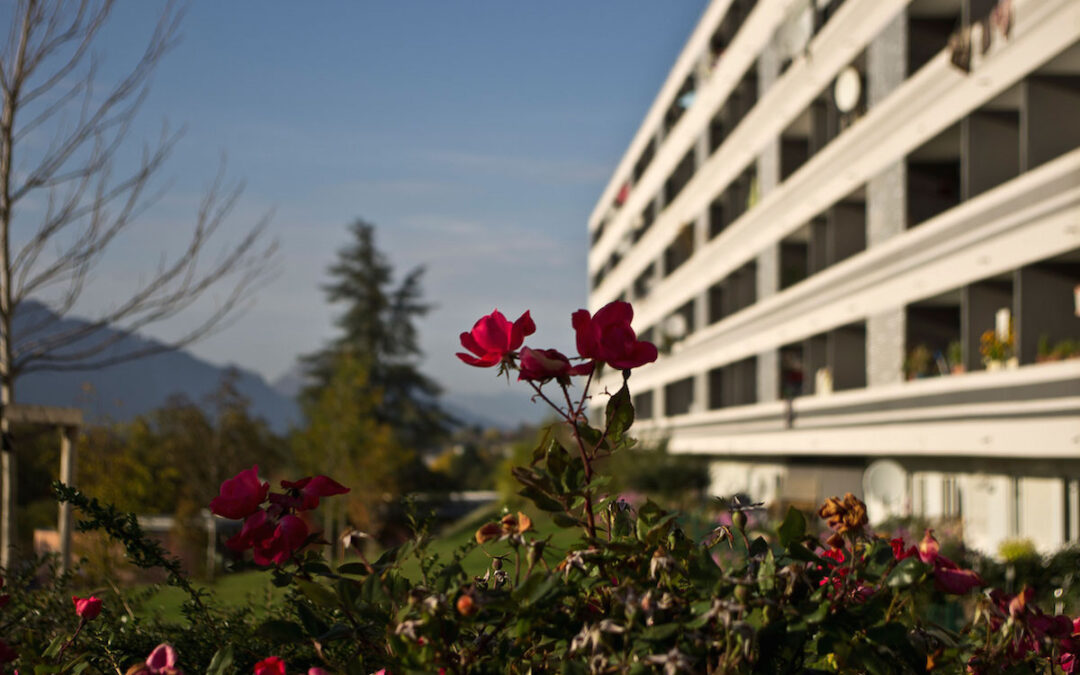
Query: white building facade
point(853, 228)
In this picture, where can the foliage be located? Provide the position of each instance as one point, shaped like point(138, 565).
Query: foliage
point(633, 593)
point(343, 431)
point(378, 328)
point(172, 460)
point(1058, 351)
point(1012, 550)
point(993, 347)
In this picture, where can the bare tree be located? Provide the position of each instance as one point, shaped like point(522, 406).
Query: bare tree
point(84, 197)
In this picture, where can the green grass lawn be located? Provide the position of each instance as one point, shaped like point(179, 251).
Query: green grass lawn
point(479, 560)
point(251, 588)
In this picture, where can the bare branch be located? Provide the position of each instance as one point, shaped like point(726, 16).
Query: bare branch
point(47, 62)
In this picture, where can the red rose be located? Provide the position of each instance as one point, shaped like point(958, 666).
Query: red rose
point(544, 364)
point(493, 337)
point(608, 337)
point(899, 552)
point(241, 495)
point(311, 488)
point(257, 528)
point(87, 608)
point(289, 535)
point(272, 665)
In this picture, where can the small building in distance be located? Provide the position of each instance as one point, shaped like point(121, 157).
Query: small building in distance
point(853, 229)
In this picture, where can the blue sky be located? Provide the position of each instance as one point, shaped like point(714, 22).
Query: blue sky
point(476, 135)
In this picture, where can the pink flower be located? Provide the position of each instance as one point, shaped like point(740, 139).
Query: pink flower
point(317, 671)
point(608, 337)
point(311, 488)
point(544, 364)
point(493, 337)
point(928, 548)
point(272, 665)
point(241, 495)
point(955, 580)
point(289, 535)
point(87, 608)
point(162, 661)
point(948, 577)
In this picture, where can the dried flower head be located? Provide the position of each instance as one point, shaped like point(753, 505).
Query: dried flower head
point(844, 515)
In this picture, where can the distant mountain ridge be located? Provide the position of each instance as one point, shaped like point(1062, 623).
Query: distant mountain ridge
point(127, 390)
point(122, 392)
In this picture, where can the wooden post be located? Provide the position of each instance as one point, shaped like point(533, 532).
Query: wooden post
point(7, 505)
point(211, 545)
point(67, 477)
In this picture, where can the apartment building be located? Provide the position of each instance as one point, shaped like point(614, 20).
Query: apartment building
point(853, 228)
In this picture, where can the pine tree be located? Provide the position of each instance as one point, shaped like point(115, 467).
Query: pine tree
point(378, 329)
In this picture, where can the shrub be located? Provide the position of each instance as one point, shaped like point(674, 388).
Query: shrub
point(633, 594)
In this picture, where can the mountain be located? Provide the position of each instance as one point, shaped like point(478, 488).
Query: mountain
point(124, 391)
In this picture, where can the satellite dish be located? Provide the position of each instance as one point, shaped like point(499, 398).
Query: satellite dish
point(885, 481)
point(847, 90)
point(675, 326)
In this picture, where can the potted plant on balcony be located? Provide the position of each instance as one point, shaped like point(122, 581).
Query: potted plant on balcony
point(996, 350)
point(955, 355)
point(917, 363)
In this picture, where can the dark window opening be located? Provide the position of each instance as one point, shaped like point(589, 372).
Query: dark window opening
point(679, 397)
point(680, 249)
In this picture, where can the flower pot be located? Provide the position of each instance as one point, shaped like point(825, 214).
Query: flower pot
point(995, 364)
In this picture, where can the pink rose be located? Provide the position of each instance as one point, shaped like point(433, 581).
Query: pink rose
point(87, 608)
point(241, 495)
point(608, 337)
point(493, 337)
point(272, 665)
point(544, 364)
point(948, 577)
point(162, 661)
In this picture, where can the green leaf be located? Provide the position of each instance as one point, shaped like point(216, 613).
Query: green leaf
point(557, 461)
point(542, 501)
point(281, 631)
point(620, 415)
point(793, 528)
point(355, 568)
point(54, 647)
point(767, 573)
point(797, 551)
point(759, 547)
point(317, 593)
point(338, 631)
point(659, 633)
point(563, 520)
point(222, 661)
point(312, 623)
point(319, 567)
point(907, 572)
